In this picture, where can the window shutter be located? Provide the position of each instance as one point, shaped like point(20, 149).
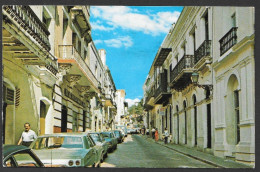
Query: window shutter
point(8, 95)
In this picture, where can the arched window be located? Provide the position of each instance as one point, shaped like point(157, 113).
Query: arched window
point(232, 111)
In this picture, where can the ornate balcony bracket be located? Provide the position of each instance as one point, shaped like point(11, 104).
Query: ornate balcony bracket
point(83, 89)
point(205, 86)
point(64, 68)
point(73, 79)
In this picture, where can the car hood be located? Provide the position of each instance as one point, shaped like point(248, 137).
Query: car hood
point(60, 153)
point(108, 139)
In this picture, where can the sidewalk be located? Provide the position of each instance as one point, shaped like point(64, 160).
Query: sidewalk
point(202, 156)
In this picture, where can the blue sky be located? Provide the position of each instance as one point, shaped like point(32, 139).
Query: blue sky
point(131, 36)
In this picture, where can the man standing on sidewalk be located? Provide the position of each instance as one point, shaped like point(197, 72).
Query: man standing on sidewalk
point(166, 135)
point(28, 136)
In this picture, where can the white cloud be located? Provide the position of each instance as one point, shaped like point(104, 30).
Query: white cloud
point(131, 102)
point(98, 26)
point(98, 41)
point(125, 41)
point(130, 18)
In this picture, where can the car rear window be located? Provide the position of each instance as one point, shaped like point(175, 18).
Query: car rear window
point(55, 142)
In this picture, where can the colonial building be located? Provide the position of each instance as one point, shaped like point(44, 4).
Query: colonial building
point(110, 106)
point(121, 106)
point(29, 72)
point(201, 83)
point(54, 77)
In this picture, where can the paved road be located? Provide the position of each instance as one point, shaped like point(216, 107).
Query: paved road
point(138, 152)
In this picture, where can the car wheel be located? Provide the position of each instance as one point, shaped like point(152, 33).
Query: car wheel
point(102, 157)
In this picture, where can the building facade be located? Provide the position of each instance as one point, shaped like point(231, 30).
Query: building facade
point(53, 75)
point(121, 106)
point(202, 81)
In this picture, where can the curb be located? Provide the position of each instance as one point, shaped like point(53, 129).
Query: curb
point(194, 157)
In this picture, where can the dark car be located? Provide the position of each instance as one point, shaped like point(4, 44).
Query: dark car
point(100, 140)
point(110, 137)
point(20, 156)
point(119, 135)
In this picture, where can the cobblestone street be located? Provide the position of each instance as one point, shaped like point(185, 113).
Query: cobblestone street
point(138, 152)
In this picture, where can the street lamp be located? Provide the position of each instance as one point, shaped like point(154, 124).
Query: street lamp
point(195, 79)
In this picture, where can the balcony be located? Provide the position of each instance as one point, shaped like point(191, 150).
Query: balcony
point(161, 56)
point(150, 98)
point(180, 75)
point(109, 100)
point(69, 55)
point(80, 17)
point(24, 18)
point(25, 37)
point(228, 40)
point(161, 94)
point(203, 55)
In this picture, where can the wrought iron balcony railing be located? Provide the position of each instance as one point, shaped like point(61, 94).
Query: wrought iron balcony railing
point(202, 51)
point(162, 84)
point(28, 20)
point(186, 62)
point(228, 40)
point(69, 52)
point(150, 95)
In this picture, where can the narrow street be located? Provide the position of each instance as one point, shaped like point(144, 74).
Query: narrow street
point(136, 151)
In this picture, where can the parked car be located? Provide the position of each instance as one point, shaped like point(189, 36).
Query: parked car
point(111, 139)
point(119, 135)
point(20, 156)
point(67, 150)
point(100, 140)
point(129, 131)
point(123, 129)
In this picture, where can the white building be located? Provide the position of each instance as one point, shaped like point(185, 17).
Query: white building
point(120, 102)
point(215, 114)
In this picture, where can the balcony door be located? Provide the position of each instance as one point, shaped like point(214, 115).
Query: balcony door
point(64, 113)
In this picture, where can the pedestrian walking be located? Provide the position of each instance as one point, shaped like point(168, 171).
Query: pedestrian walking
point(147, 131)
point(156, 135)
point(28, 135)
point(153, 132)
point(166, 135)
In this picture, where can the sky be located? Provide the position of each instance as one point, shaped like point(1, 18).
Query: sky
point(131, 36)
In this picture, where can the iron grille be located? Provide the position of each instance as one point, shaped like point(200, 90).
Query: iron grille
point(228, 40)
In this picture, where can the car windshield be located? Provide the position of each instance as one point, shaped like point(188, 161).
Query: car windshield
point(58, 142)
point(107, 135)
point(95, 137)
point(117, 133)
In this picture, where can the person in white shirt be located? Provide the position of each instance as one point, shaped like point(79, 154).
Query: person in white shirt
point(28, 136)
point(166, 135)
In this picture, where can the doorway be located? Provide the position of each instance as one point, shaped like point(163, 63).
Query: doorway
point(64, 113)
point(42, 117)
point(209, 124)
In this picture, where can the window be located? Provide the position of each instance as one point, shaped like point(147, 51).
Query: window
point(194, 42)
point(65, 26)
point(206, 26)
point(236, 99)
point(46, 19)
point(25, 160)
